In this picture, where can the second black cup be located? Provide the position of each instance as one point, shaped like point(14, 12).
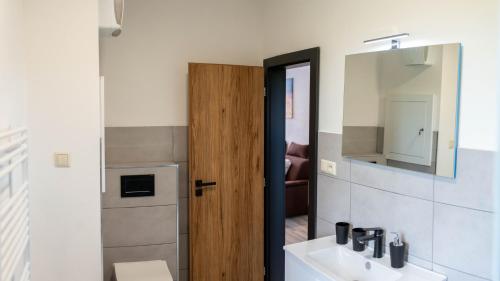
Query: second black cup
point(342, 232)
point(356, 245)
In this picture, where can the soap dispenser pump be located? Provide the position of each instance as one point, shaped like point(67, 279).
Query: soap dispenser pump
point(397, 250)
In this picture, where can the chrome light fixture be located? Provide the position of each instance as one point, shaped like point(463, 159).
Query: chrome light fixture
point(395, 40)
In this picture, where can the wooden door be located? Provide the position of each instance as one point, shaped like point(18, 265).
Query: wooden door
point(226, 148)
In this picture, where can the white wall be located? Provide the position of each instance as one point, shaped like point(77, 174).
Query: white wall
point(339, 28)
point(362, 95)
point(63, 116)
point(397, 78)
point(12, 72)
point(371, 77)
point(297, 128)
point(447, 113)
point(146, 67)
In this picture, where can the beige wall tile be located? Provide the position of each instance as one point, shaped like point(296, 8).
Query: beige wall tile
point(359, 140)
point(180, 143)
point(139, 226)
point(330, 148)
point(139, 144)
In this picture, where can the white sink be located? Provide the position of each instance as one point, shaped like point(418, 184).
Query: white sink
point(349, 265)
point(323, 260)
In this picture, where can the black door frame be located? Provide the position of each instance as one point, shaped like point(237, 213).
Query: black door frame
point(274, 150)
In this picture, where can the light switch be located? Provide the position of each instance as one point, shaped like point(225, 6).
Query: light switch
point(61, 160)
point(329, 167)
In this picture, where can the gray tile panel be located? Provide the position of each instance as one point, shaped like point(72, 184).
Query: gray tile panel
point(391, 179)
point(139, 144)
point(412, 217)
point(463, 239)
point(139, 226)
point(473, 186)
point(447, 222)
point(333, 203)
point(329, 148)
point(180, 148)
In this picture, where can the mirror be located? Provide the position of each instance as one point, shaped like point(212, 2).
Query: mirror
point(401, 108)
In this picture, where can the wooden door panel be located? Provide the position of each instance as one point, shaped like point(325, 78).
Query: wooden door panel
point(226, 146)
point(203, 90)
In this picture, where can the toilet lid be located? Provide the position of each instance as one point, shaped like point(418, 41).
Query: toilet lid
point(142, 271)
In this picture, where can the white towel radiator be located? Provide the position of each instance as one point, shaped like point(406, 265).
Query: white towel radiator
point(14, 206)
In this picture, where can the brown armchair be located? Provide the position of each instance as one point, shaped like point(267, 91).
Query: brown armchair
point(297, 181)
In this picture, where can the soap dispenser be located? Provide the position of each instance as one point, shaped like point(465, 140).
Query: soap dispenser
point(397, 249)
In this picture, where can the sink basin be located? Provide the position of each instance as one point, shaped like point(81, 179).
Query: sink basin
point(323, 260)
point(349, 265)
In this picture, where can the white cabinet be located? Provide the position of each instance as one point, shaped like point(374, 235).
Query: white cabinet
point(408, 129)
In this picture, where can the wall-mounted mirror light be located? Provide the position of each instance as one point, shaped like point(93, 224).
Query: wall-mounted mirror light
point(395, 40)
point(401, 108)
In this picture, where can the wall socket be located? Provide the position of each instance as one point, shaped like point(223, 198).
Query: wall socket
point(329, 167)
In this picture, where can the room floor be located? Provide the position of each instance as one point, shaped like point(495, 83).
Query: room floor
point(296, 229)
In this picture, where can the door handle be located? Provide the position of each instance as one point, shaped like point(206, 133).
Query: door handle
point(421, 131)
point(199, 185)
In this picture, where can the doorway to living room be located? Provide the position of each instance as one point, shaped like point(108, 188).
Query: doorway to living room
point(290, 149)
point(297, 158)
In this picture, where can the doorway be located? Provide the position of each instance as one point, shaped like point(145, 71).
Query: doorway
point(297, 158)
point(277, 148)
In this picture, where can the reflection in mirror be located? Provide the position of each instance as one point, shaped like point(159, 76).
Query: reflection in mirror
point(400, 108)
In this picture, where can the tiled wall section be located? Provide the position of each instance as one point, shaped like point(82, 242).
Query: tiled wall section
point(164, 144)
point(361, 139)
point(448, 223)
point(140, 228)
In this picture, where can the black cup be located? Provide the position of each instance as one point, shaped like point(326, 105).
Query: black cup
point(356, 245)
point(341, 232)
